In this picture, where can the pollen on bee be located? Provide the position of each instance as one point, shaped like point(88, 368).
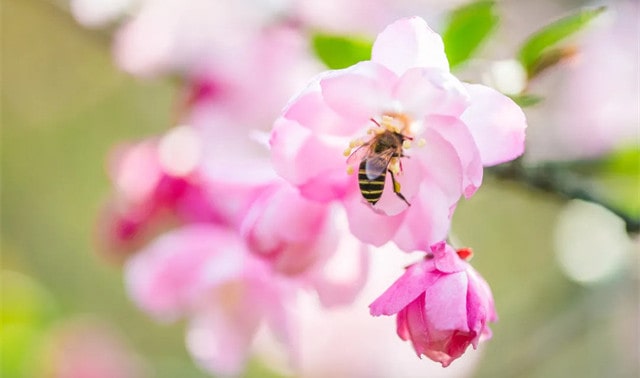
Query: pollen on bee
point(350, 170)
point(394, 166)
point(396, 187)
point(355, 143)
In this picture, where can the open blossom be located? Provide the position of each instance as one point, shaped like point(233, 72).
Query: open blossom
point(442, 303)
point(204, 273)
point(430, 133)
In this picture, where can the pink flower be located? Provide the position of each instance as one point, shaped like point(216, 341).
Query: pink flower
point(307, 240)
point(443, 305)
point(372, 112)
point(157, 183)
point(205, 273)
point(179, 35)
point(231, 274)
point(287, 229)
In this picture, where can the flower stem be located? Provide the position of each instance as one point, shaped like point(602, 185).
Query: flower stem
point(559, 180)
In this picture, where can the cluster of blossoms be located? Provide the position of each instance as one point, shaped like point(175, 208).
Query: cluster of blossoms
point(249, 219)
point(405, 92)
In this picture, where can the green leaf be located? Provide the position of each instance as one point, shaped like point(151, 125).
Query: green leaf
point(619, 175)
point(467, 27)
point(624, 162)
point(534, 50)
point(339, 51)
point(526, 100)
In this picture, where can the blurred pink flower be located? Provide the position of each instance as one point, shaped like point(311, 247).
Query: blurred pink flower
point(303, 239)
point(285, 228)
point(407, 94)
point(252, 81)
point(443, 305)
point(178, 35)
point(205, 273)
point(228, 285)
point(157, 184)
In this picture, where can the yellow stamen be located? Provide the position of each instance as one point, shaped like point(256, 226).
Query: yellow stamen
point(421, 142)
point(347, 152)
point(406, 144)
point(350, 170)
point(394, 166)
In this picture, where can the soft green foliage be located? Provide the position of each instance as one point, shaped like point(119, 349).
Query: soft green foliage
point(27, 309)
point(526, 100)
point(535, 49)
point(338, 51)
point(468, 26)
point(620, 174)
point(625, 161)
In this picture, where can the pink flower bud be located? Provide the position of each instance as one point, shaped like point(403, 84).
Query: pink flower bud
point(443, 305)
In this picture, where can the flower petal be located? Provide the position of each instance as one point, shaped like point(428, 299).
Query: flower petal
point(415, 280)
point(220, 342)
point(423, 91)
point(446, 303)
point(367, 225)
point(359, 92)
point(496, 123)
point(170, 276)
point(446, 259)
point(427, 221)
point(480, 306)
point(343, 276)
point(305, 159)
point(310, 111)
point(409, 180)
point(458, 135)
point(409, 43)
point(441, 165)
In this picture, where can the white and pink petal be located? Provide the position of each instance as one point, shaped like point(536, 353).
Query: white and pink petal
point(409, 43)
point(359, 92)
point(458, 135)
point(496, 123)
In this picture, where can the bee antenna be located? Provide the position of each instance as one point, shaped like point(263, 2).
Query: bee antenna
point(376, 122)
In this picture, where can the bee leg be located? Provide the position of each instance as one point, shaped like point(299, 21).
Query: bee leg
point(396, 188)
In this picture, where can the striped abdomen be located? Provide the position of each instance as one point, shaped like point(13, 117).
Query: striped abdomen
point(371, 188)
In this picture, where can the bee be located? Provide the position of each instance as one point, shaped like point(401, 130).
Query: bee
point(375, 157)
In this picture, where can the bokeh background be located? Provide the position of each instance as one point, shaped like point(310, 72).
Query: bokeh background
point(65, 105)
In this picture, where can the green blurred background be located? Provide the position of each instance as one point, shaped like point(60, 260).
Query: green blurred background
point(64, 105)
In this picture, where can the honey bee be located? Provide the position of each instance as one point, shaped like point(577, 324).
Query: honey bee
point(375, 157)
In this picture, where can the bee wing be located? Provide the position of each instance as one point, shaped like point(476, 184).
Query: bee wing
point(377, 164)
point(359, 154)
